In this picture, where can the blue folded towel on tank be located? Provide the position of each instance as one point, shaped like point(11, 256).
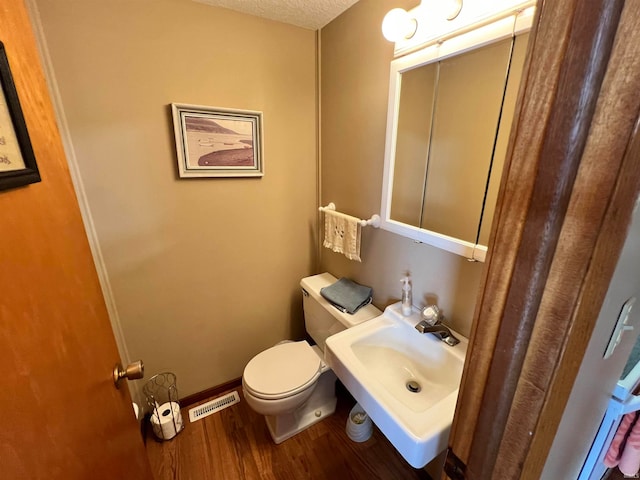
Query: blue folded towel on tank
point(347, 295)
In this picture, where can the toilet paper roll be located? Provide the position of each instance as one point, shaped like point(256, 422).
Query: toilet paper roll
point(166, 420)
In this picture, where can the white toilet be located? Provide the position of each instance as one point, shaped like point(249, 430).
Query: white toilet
point(289, 383)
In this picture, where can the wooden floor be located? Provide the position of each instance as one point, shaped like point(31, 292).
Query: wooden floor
point(235, 444)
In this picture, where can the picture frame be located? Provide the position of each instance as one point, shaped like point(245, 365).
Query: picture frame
point(217, 142)
point(17, 161)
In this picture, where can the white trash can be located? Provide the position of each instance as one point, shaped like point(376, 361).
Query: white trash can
point(359, 424)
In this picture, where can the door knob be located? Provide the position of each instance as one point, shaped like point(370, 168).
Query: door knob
point(133, 371)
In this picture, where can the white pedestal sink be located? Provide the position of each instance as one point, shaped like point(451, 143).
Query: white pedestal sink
point(382, 361)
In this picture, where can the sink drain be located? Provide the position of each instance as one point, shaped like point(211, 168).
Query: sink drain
point(413, 387)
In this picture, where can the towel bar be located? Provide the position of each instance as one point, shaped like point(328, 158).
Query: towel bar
point(374, 221)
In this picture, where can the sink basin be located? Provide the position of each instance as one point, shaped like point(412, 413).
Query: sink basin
point(406, 381)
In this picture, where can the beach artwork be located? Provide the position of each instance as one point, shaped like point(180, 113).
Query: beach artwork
point(10, 154)
point(213, 142)
point(17, 162)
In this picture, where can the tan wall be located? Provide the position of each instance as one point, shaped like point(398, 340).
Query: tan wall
point(354, 87)
point(204, 272)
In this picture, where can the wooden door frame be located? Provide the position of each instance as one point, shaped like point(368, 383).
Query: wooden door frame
point(570, 183)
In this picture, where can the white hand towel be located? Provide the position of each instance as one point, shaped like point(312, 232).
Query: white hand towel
point(342, 234)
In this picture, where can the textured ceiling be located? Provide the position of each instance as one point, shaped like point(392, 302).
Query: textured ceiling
point(313, 14)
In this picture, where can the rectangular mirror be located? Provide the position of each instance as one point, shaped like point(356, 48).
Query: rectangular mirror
point(451, 106)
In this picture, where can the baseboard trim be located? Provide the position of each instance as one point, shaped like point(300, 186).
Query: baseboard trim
point(210, 392)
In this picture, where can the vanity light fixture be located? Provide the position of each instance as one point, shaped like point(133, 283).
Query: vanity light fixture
point(398, 25)
point(448, 9)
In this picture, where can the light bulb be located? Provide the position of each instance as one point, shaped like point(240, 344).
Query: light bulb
point(398, 25)
point(448, 9)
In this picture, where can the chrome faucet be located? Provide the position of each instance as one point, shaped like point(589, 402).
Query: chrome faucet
point(432, 323)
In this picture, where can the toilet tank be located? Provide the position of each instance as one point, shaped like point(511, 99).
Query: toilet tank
point(322, 319)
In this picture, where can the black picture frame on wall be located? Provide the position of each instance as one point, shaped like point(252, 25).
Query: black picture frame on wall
point(17, 162)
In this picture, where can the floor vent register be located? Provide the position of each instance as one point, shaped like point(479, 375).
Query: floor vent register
point(213, 406)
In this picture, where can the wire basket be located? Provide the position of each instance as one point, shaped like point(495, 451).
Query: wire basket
point(161, 393)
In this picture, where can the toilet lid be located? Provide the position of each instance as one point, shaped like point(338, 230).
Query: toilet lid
point(282, 370)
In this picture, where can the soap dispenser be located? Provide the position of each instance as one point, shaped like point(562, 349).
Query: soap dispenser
point(407, 300)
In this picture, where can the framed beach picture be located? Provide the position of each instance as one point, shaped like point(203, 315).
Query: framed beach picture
point(217, 142)
point(17, 161)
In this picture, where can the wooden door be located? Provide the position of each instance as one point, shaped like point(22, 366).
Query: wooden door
point(62, 417)
point(572, 177)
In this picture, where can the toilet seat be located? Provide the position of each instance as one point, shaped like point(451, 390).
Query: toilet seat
point(282, 371)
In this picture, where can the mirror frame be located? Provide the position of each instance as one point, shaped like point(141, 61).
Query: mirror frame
point(470, 40)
